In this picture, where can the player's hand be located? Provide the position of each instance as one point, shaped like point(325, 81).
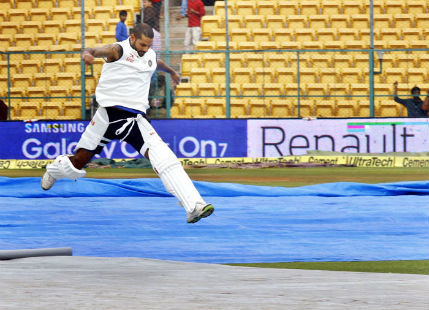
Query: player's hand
point(175, 77)
point(87, 58)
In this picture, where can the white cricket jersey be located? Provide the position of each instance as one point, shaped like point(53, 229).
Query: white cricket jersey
point(126, 82)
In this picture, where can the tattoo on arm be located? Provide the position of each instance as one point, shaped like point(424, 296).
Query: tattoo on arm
point(111, 52)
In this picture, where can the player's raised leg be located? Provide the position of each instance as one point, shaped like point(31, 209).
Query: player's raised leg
point(172, 174)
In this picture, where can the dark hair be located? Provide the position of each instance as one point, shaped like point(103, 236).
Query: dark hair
point(123, 12)
point(414, 89)
point(142, 29)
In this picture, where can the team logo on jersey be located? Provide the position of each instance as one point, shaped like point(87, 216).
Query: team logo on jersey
point(130, 58)
point(149, 63)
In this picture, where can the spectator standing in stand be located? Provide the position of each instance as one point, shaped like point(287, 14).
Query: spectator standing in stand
point(121, 28)
point(196, 11)
point(157, 4)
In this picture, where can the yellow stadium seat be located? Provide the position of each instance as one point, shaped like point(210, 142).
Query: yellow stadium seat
point(91, 38)
point(394, 7)
point(363, 109)
point(342, 61)
point(316, 89)
point(234, 89)
point(219, 8)
point(9, 28)
point(308, 75)
point(291, 89)
point(280, 107)
point(209, 22)
point(313, 45)
point(423, 60)
point(31, 27)
point(382, 21)
point(267, 7)
point(217, 35)
point(326, 34)
point(200, 75)
point(345, 108)
point(218, 75)
point(287, 8)
point(304, 35)
point(58, 91)
point(417, 75)
point(277, 60)
point(72, 65)
point(251, 89)
point(356, 44)
point(360, 89)
point(318, 21)
point(264, 75)
point(212, 60)
point(16, 58)
point(328, 75)
point(67, 79)
point(50, 110)
point(242, 75)
point(61, 13)
point(24, 40)
point(330, 7)
point(398, 44)
point(389, 34)
point(103, 12)
point(190, 61)
point(290, 45)
point(339, 21)
point(347, 34)
point(111, 24)
point(258, 108)
point(239, 107)
point(286, 75)
point(193, 107)
point(305, 107)
point(320, 60)
point(6, 5)
point(29, 109)
point(52, 66)
point(17, 15)
point(208, 89)
point(283, 35)
point(275, 21)
point(387, 108)
point(234, 21)
point(110, 2)
point(351, 7)
point(394, 74)
point(351, 75)
point(246, 45)
point(29, 66)
point(339, 89)
point(273, 90)
point(246, 7)
point(46, 4)
point(416, 6)
point(19, 93)
point(239, 35)
point(360, 21)
point(361, 60)
point(72, 26)
point(254, 21)
point(76, 12)
point(72, 109)
point(186, 89)
point(45, 39)
point(22, 80)
point(95, 25)
point(6, 39)
point(205, 46)
point(377, 4)
point(67, 38)
point(296, 21)
point(3, 16)
point(255, 60)
point(262, 34)
point(55, 26)
point(215, 107)
point(107, 37)
point(324, 108)
point(309, 7)
point(421, 44)
point(411, 34)
point(403, 20)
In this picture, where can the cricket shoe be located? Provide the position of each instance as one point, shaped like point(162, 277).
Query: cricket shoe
point(200, 211)
point(47, 181)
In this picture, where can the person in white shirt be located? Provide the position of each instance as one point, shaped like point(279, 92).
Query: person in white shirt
point(122, 95)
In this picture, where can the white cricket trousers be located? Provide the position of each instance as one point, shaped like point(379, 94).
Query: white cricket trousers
point(192, 36)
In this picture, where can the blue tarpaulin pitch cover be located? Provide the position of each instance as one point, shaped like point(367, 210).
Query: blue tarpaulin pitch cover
point(138, 218)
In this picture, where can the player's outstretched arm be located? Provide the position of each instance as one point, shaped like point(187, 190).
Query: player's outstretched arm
point(111, 52)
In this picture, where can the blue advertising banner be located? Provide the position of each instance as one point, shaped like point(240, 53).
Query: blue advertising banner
point(187, 138)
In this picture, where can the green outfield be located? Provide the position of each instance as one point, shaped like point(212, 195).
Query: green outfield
point(289, 177)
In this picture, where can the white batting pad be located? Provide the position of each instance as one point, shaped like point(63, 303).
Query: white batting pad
point(63, 168)
point(168, 167)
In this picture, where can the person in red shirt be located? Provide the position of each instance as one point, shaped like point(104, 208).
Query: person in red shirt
point(193, 33)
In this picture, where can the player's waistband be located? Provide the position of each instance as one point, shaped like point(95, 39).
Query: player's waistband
point(128, 109)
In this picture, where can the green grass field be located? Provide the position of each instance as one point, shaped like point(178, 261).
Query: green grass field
point(288, 177)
